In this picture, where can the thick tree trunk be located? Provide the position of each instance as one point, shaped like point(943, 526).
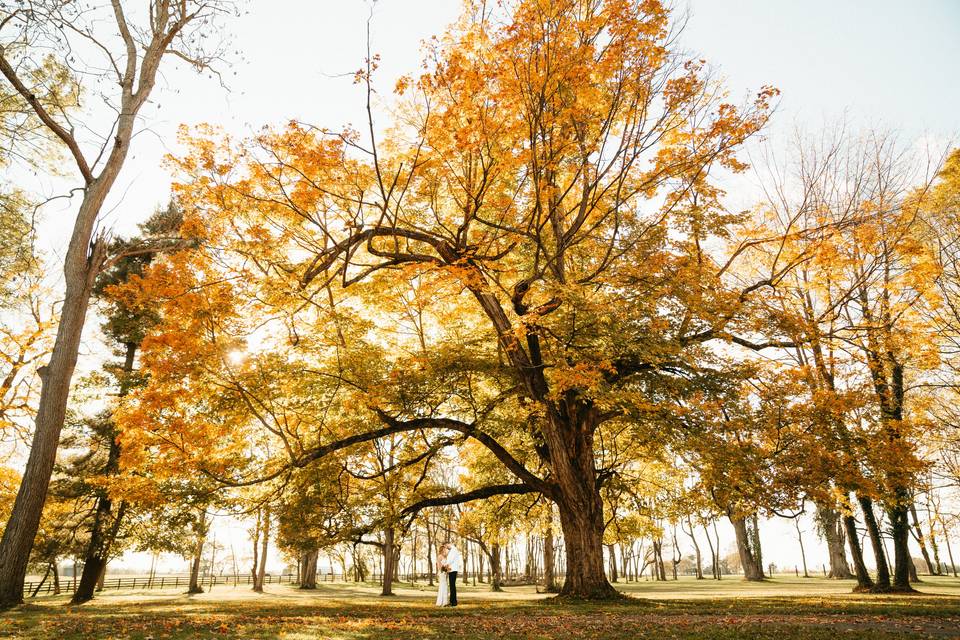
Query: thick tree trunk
point(581, 518)
point(308, 574)
point(583, 544)
point(900, 530)
point(749, 558)
point(832, 529)
point(876, 541)
point(496, 574)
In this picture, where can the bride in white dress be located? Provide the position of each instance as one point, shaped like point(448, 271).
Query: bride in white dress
point(443, 592)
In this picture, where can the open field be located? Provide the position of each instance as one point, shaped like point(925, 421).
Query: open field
point(782, 608)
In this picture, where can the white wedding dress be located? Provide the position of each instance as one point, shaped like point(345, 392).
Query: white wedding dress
point(443, 592)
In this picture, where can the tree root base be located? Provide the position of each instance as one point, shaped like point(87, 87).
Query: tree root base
point(886, 590)
point(608, 594)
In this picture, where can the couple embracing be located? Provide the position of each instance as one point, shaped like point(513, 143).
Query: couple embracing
point(449, 565)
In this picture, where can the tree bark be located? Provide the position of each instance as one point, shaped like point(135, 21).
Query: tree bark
point(832, 529)
point(921, 540)
point(876, 541)
point(98, 548)
point(82, 262)
point(496, 575)
point(55, 377)
point(803, 553)
point(864, 581)
point(612, 561)
point(696, 547)
point(581, 519)
point(714, 555)
point(749, 558)
point(946, 541)
point(308, 577)
point(197, 558)
point(577, 496)
point(900, 530)
point(389, 561)
point(261, 567)
point(549, 578)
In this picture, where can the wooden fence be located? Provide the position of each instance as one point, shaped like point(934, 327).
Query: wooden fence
point(155, 582)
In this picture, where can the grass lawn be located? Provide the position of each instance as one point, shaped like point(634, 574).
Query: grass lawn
point(781, 609)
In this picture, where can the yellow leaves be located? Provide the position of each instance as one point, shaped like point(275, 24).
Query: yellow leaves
point(585, 377)
point(403, 83)
point(9, 484)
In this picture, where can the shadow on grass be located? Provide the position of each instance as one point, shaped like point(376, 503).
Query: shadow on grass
point(346, 612)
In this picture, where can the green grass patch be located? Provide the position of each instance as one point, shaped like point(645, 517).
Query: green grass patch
point(783, 609)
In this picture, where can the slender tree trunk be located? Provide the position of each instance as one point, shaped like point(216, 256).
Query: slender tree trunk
point(261, 571)
point(921, 540)
point(876, 541)
point(946, 540)
point(612, 563)
point(864, 581)
point(389, 561)
point(714, 559)
point(56, 578)
point(716, 540)
point(255, 540)
point(197, 558)
point(429, 555)
point(95, 559)
point(803, 553)
point(696, 548)
point(40, 584)
point(549, 579)
point(480, 568)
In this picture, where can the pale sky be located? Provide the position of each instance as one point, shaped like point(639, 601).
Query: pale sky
point(877, 62)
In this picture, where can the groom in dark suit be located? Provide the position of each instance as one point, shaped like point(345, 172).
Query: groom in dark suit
point(455, 562)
